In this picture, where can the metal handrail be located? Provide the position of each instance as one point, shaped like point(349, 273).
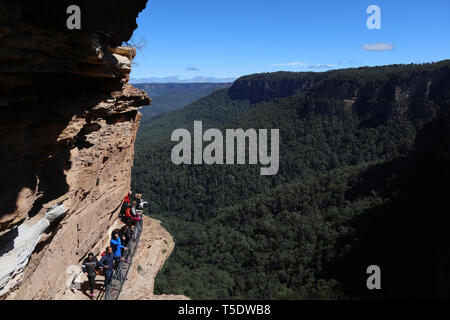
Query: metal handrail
point(111, 292)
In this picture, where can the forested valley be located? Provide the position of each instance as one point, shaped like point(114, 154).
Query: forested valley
point(364, 179)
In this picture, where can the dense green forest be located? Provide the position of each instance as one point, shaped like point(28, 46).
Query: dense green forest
point(363, 179)
point(174, 96)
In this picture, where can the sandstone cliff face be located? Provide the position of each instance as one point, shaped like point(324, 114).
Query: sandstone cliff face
point(67, 131)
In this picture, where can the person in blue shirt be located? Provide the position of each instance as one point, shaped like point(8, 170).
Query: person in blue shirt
point(107, 262)
point(116, 244)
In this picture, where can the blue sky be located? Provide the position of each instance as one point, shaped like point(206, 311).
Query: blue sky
point(216, 38)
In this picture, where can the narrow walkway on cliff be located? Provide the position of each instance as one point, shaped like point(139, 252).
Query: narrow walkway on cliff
point(133, 280)
point(114, 289)
point(122, 237)
point(125, 243)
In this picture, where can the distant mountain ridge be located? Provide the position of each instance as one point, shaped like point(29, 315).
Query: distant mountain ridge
point(363, 82)
point(174, 96)
point(176, 79)
point(157, 89)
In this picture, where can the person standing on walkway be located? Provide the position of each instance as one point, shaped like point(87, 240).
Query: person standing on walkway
point(89, 268)
point(116, 244)
point(107, 263)
point(135, 214)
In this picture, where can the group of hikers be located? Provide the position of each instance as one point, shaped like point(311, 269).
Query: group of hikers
point(132, 208)
point(130, 214)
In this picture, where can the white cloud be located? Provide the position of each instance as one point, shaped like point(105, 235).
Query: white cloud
point(289, 64)
point(378, 47)
point(304, 65)
point(321, 66)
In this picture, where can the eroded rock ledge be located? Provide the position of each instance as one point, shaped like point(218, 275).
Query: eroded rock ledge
point(68, 125)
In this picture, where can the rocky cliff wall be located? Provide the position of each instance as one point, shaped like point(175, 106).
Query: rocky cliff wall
point(67, 131)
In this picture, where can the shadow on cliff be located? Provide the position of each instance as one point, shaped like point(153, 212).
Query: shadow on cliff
point(408, 235)
point(98, 287)
point(33, 158)
point(49, 74)
point(7, 241)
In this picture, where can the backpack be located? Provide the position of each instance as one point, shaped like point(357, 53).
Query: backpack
point(125, 205)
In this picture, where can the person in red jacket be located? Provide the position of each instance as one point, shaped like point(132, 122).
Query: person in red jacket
point(127, 198)
point(128, 219)
point(126, 204)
